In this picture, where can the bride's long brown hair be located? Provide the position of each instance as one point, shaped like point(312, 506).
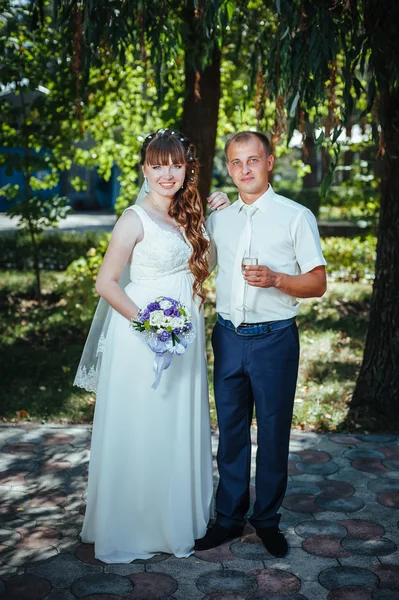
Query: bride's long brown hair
point(186, 206)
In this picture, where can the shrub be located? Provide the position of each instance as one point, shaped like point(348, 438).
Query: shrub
point(57, 249)
point(350, 259)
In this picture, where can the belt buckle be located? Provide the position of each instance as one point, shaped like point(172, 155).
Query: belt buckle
point(244, 328)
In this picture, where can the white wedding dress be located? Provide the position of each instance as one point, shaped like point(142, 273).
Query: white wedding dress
point(150, 475)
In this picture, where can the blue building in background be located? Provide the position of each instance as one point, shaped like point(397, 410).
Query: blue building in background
point(98, 195)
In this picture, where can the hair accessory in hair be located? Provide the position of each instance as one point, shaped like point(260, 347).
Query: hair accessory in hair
point(182, 139)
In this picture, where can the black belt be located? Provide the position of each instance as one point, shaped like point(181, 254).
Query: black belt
point(256, 328)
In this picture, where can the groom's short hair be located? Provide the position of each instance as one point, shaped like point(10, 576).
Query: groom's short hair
point(245, 136)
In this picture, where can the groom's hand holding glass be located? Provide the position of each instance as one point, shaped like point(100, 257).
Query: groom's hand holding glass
point(260, 276)
point(304, 285)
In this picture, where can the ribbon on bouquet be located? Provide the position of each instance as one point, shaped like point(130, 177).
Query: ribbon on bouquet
point(164, 352)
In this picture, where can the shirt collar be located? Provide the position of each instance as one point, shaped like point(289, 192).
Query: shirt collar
point(261, 203)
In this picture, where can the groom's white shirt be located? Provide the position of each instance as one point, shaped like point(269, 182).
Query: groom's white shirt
point(286, 239)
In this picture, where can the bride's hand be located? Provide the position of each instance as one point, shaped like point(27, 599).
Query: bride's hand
point(218, 201)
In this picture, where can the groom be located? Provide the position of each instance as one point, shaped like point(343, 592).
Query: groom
point(255, 339)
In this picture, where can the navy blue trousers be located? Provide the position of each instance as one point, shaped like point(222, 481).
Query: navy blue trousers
point(256, 370)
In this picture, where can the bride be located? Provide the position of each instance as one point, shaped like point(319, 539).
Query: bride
point(150, 477)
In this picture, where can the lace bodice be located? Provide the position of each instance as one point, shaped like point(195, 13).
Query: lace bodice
point(160, 253)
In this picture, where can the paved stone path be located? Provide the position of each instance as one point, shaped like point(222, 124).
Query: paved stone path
point(340, 515)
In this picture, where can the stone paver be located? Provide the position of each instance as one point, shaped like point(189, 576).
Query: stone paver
point(340, 515)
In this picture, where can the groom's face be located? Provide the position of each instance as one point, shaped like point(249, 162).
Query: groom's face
point(249, 166)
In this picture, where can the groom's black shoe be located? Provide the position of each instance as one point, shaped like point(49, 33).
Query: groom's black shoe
point(216, 535)
point(273, 540)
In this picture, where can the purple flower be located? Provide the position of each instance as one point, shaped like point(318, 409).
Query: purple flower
point(177, 330)
point(144, 316)
point(175, 303)
point(164, 336)
point(153, 306)
point(188, 327)
point(169, 312)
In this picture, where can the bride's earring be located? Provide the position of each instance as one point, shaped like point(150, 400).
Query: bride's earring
point(146, 185)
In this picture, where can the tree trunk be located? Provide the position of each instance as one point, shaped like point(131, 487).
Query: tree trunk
point(377, 387)
point(36, 265)
point(200, 114)
point(35, 249)
point(27, 177)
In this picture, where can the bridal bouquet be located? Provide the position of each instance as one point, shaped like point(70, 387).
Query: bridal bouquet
point(167, 328)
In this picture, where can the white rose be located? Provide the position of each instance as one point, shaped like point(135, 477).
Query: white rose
point(156, 318)
point(177, 322)
point(164, 304)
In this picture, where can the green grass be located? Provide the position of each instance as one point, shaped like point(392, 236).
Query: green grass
point(332, 334)
point(40, 349)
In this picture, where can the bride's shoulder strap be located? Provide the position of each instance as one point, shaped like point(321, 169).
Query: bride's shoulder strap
point(140, 212)
point(132, 207)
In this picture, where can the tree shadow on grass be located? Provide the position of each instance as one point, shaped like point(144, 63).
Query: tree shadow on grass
point(353, 326)
point(320, 371)
point(39, 354)
point(40, 382)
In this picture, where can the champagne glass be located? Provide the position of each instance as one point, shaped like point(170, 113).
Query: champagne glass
point(250, 259)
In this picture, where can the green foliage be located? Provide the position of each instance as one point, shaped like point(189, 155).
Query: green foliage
point(345, 52)
point(36, 215)
point(350, 259)
point(159, 31)
point(38, 108)
point(78, 288)
point(121, 111)
point(56, 249)
point(37, 119)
